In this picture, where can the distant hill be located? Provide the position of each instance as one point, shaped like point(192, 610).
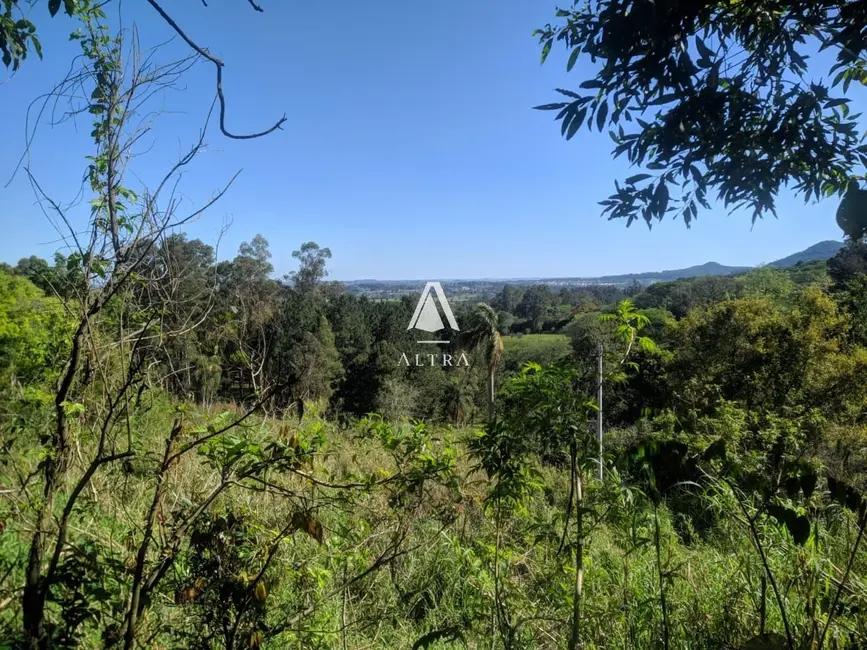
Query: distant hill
point(708, 268)
point(824, 250)
point(395, 288)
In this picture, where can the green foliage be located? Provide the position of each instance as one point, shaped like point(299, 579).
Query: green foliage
point(848, 273)
point(33, 332)
point(212, 475)
point(682, 296)
point(312, 270)
point(852, 212)
point(739, 445)
point(769, 283)
point(543, 349)
point(708, 98)
point(18, 33)
point(750, 351)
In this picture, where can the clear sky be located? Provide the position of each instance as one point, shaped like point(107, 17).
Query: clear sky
point(411, 149)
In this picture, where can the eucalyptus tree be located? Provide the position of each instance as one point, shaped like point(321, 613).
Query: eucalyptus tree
point(717, 97)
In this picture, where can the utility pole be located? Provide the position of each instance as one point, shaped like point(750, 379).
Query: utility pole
point(599, 414)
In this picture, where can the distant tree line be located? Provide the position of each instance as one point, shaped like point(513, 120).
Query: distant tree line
point(237, 333)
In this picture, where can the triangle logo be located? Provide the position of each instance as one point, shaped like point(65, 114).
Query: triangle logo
point(427, 315)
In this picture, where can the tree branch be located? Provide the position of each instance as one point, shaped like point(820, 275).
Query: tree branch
point(218, 64)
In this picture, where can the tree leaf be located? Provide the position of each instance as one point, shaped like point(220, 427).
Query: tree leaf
point(704, 50)
point(632, 180)
point(574, 125)
point(53, 6)
point(601, 115)
point(569, 93)
point(799, 527)
point(836, 102)
point(661, 197)
point(546, 50)
point(303, 521)
point(572, 59)
point(809, 478)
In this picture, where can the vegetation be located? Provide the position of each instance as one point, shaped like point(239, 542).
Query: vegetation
point(540, 348)
point(197, 455)
point(216, 512)
point(719, 97)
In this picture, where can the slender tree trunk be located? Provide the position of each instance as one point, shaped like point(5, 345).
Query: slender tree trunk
point(662, 598)
point(135, 597)
point(578, 590)
point(491, 394)
point(343, 611)
point(35, 588)
point(573, 458)
point(495, 614)
point(599, 415)
point(54, 468)
point(764, 604)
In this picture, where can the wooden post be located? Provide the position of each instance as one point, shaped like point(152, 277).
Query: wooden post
point(599, 414)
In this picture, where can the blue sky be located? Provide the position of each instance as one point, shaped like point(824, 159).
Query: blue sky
point(411, 148)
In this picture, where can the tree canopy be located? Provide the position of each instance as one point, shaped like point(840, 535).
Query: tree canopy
point(716, 97)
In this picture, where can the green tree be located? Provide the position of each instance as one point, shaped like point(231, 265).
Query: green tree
point(848, 273)
point(320, 362)
point(33, 332)
point(771, 283)
point(182, 282)
point(715, 97)
point(508, 298)
point(311, 271)
point(301, 342)
point(61, 280)
point(682, 296)
point(793, 363)
point(483, 336)
point(248, 301)
point(534, 303)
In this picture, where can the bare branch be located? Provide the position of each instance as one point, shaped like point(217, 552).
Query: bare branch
point(218, 64)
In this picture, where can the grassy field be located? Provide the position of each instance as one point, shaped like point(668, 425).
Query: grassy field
point(541, 348)
point(412, 558)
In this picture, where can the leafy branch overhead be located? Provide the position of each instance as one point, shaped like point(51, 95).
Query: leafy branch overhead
point(716, 97)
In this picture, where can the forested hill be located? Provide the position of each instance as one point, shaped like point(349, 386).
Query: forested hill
point(824, 250)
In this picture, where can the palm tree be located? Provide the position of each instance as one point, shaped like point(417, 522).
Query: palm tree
point(484, 336)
